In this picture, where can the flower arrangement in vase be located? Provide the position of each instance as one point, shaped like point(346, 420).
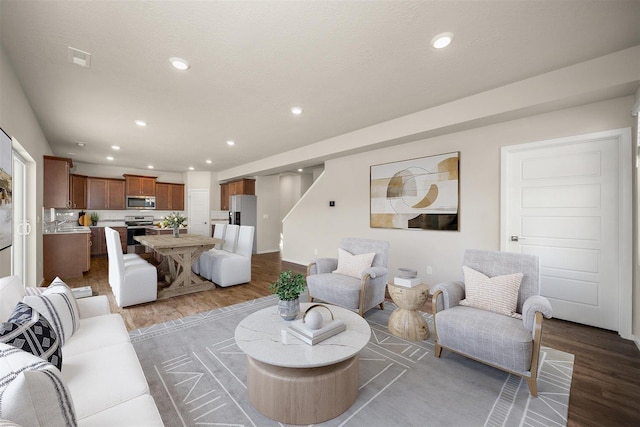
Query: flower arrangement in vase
point(288, 287)
point(174, 220)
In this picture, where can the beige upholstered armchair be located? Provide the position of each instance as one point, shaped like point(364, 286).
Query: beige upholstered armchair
point(509, 340)
point(360, 276)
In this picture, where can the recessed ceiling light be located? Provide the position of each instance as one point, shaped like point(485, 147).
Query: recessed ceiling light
point(191, 168)
point(296, 110)
point(141, 123)
point(208, 161)
point(81, 144)
point(300, 170)
point(150, 167)
point(442, 40)
point(231, 143)
point(109, 157)
point(115, 147)
point(71, 154)
point(179, 64)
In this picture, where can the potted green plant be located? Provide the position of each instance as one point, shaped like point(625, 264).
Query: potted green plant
point(288, 287)
point(94, 218)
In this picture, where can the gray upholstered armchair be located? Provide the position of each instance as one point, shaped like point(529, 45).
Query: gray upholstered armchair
point(505, 342)
point(361, 293)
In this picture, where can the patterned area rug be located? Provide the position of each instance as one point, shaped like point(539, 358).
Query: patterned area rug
point(197, 376)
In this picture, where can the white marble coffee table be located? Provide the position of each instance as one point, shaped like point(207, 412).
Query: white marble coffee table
point(296, 383)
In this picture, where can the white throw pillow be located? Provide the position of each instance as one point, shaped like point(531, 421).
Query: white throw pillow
point(32, 393)
point(58, 305)
point(498, 294)
point(353, 265)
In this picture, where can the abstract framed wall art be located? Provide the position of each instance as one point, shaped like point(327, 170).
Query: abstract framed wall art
point(416, 194)
point(6, 208)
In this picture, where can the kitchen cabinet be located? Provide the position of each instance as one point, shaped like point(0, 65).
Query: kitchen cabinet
point(224, 197)
point(56, 182)
point(122, 231)
point(137, 185)
point(169, 196)
point(105, 193)
point(241, 186)
point(99, 242)
point(78, 191)
point(66, 255)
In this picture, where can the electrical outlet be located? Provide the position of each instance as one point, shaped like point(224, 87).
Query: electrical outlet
point(429, 269)
point(315, 251)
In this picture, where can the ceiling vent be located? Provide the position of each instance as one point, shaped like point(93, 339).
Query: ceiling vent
point(79, 57)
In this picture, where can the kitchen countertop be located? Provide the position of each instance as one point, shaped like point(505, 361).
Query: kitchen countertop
point(70, 230)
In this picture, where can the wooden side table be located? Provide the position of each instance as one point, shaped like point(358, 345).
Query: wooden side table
point(405, 322)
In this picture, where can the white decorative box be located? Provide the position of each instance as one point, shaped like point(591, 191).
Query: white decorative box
point(407, 283)
point(82, 292)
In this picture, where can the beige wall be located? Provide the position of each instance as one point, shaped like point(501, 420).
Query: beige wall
point(268, 223)
point(19, 121)
point(314, 226)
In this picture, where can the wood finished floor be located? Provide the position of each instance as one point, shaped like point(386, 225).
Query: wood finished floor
point(606, 380)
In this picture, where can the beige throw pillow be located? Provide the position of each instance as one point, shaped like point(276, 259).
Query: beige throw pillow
point(353, 265)
point(498, 294)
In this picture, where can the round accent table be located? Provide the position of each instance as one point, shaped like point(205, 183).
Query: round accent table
point(405, 322)
point(296, 383)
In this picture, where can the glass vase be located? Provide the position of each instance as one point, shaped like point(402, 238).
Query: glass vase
point(176, 231)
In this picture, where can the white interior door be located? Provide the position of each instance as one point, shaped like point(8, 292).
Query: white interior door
point(199, 221)
point(564, 200)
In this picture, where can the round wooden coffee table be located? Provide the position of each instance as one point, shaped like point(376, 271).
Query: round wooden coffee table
point(405, 322)
point(296, 383)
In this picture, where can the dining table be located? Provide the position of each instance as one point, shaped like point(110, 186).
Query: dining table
point(179, 254)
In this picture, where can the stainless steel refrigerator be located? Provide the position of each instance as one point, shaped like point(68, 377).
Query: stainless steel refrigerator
point(243, 211)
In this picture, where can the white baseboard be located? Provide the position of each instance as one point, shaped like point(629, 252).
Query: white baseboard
point(268, 251)
point(294, 261)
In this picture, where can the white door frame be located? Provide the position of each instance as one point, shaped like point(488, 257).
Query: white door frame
point(625, 230)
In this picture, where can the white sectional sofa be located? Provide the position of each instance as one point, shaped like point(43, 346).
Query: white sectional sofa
point(100, 368)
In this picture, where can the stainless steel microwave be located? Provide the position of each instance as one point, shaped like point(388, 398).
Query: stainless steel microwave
point(141, 202)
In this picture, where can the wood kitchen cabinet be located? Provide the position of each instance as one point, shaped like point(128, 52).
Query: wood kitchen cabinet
point(56, 182)
point(105, 193)
point(137, 185)
point(233, 188)
point(224, 197)
point(78, 191)
point(169, 196)
point(66, 255)
point(99, 241)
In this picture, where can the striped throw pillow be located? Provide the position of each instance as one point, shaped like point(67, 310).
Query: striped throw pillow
point(32, 392)
point(58, 305)
point(498, 294)
point(26, 329)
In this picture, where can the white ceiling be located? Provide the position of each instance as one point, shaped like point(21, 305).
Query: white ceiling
point(348, 64)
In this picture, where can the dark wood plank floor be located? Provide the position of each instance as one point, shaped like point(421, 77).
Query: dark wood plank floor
point(606, 380)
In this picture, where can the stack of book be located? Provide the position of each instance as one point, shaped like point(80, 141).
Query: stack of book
point(314, 336)
point(406, 282)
